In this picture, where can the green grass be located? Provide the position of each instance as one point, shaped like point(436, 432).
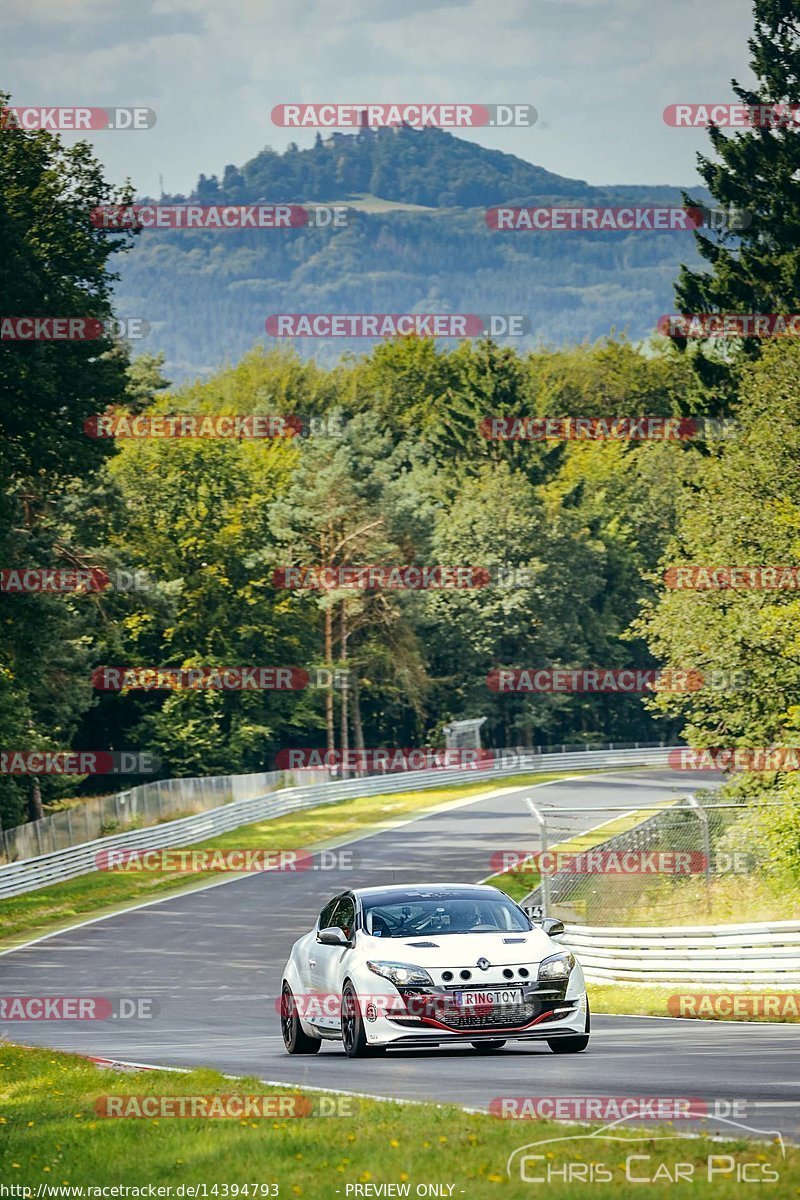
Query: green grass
point(53, 1135)
point(726, 899)
point(650, 1001)
point(102, 892)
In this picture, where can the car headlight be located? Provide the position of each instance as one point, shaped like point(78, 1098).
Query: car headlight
point(401, 974)
point(557, 966)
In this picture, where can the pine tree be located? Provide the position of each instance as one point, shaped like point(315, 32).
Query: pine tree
point(755, 270)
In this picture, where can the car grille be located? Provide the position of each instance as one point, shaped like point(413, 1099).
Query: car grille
point(441, 1008)
point(495, 1016)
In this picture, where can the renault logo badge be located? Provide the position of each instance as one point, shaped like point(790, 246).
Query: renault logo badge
point(484, 964)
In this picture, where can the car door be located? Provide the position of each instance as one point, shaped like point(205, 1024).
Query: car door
point(332, 962)
point(320, 958)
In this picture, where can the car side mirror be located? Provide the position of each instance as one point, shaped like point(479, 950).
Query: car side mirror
point(552, 926)
point(332, 936)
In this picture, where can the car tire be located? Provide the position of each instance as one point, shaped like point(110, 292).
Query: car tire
point(569, 1044)
point(354, 1036)
point(295, 1039)
point(489, 1047)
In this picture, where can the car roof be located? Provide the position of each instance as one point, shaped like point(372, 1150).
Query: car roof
point(425, 889)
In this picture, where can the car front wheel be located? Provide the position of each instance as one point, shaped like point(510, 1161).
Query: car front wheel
point(569, 1044)
point(295, 1039)
point(354, 1037)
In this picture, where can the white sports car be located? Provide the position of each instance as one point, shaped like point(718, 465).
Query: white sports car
point(428, 966)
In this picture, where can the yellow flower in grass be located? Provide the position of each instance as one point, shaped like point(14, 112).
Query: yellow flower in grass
point(365, 1177)
point(394, 1142)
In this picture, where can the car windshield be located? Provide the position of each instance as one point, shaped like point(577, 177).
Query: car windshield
point(398, 918)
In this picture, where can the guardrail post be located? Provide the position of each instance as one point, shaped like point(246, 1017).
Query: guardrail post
point(541, 820)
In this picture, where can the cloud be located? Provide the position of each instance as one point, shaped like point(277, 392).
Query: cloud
point(599, 72)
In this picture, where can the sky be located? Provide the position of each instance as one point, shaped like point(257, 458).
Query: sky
point(599, 73)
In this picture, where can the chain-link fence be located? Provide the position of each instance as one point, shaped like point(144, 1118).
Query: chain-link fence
point(692, 860)
point(147, 804)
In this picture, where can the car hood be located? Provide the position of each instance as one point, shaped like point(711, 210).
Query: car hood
point(464, 949)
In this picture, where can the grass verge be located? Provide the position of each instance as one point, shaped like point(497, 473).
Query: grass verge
point(698, 1003)
point(64, 904)
point(52, 1135)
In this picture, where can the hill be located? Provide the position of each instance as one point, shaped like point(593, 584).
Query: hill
point(416, 239)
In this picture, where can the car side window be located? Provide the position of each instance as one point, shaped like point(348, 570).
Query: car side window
point(345, 916)
point(325, 917)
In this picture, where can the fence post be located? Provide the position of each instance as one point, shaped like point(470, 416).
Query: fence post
point(69, 827)
point(702, 816)
point(541, 820)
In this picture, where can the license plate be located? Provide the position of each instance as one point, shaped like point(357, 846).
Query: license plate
point(485, 999)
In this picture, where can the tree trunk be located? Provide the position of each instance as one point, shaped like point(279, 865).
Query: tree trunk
point(358, 730)
point(329, 666)
point(345, 734)
point(35, 808)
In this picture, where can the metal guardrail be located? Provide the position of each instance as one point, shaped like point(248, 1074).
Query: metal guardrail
point(163, 800)
point(764, 953)
point(19, 877)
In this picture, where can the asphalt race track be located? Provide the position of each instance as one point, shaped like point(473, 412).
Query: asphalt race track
point(212, 959)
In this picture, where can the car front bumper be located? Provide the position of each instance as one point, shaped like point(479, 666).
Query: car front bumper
point(426, 1016)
